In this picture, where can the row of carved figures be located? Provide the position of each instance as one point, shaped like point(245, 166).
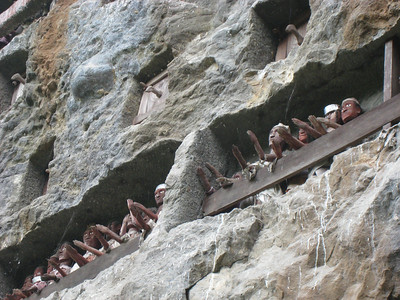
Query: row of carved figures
point(280, 142)
point(97, 240)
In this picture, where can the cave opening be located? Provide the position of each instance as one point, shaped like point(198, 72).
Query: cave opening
point(11, 89)
point(37, 175)
point(277, 15)
point(106, 201)
point(154, 80)
point(305, 96)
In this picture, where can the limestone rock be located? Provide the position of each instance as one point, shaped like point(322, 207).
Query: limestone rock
point(92, 80)
point(178, 259)
point(320, 240)
point(325, 239)
point(336, 235)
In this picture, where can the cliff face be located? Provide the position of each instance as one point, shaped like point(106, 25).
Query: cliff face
point(335, 236)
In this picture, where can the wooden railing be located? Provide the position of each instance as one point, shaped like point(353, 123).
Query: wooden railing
point(322, 148)
point(90, 270)
point(306, 157)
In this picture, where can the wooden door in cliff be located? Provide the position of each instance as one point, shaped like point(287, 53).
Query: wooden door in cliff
point(151, 102)
point(19, 89)
point(289, 43)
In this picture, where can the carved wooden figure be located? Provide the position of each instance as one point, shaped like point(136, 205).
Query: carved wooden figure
point(129, 227)
point(351, 109)
point(110, 233)
point(303, 136)
point(293, 142)
point(144, 217)
point(307, 128)
point(257, 146)
point(90, 244)
point(317, 125)
point(276, 142)
point(292, 29)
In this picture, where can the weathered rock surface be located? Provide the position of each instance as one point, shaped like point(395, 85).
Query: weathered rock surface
point(334, 237)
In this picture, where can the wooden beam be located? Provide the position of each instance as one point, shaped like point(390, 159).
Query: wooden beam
point(90, 270)
point(158, 78)
point(308, 156)
point(391, 86)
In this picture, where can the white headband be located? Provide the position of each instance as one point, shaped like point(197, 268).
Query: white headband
point(161, 186)
point(330, 108)
point(285, 127)
point(351, 99)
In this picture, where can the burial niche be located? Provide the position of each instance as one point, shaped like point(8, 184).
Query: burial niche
point(37, 176)
point(155, 87)
point(155, 92)
point(288, 20)
point(294, 38)
point(12, 82)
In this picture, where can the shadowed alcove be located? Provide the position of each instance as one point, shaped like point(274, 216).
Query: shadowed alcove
point(106, 201)
point(277, 15)
point(308, 94)
point(15, 63)
point(37, 176)
point(154, 76)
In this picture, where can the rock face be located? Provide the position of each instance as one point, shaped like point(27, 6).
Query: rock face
point(334, 237)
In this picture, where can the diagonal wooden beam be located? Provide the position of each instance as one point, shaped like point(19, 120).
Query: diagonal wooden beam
point(90, 270)
point(311, 154)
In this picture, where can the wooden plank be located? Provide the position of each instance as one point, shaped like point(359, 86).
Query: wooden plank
point(391, 86)
point(90, 270)
point(158, 78)
point(311, 154)
point(281, 52)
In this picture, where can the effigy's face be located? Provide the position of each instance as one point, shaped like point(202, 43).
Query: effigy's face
point(333, 116)
point(62, 252)
point(38, 272)
point(274, 136)
point(159, 196)
point(303, 136)
point(350, 111)
point(90, 239)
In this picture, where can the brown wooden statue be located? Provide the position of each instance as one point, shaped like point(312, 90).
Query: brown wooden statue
point(351, 109)
point(145, 217)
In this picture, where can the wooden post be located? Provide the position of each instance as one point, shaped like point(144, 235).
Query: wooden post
point(307, 156)
point(391, 84)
